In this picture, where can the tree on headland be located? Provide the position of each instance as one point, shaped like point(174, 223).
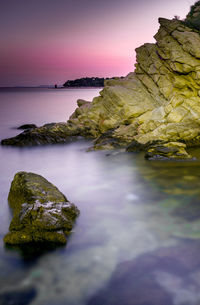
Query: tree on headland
point(88, 82)
point(85, 82)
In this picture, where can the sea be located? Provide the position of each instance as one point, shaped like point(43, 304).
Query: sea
point(137, 238)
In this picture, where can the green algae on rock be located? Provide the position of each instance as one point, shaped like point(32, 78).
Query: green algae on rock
point(167, 151)
point(42, 214)
point(158, 102)
point(47, 134)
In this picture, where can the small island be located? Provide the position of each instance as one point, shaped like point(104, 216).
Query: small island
point(88, 82)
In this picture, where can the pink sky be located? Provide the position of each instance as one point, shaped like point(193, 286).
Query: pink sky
point(47, 45)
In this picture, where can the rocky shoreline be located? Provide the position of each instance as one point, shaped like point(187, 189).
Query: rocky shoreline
point(156, 108)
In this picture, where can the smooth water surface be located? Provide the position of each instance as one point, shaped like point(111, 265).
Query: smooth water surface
point(136, 241)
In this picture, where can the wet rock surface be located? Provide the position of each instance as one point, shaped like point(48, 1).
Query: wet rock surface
point(168, 151)
point(48, 134)
point(41, 213)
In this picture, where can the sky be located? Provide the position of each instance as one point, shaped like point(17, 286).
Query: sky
point(44, 42)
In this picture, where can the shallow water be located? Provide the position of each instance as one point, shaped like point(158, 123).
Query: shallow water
point(136, 241)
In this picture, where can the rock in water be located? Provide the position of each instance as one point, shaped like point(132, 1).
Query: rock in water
point(168, 151)
point(42, 214)
point(27, 126)
point(48, 134)
point(158, 103)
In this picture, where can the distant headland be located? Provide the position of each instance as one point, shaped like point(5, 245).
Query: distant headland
point(88, 82)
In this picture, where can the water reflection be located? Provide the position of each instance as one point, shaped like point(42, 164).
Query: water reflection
point(112, 226)
point(136, 241)
point(129, 212)
point(169, 275)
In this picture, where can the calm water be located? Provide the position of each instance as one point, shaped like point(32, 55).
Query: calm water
point(137, 239)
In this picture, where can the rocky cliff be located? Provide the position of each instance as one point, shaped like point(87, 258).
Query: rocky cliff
point(155, 108)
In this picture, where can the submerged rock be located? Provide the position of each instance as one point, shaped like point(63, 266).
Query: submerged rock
point(18, 297)
point(159, 102)
point(155, 278)
point(42, 214)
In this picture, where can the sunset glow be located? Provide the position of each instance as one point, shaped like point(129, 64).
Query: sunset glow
point(47, 42)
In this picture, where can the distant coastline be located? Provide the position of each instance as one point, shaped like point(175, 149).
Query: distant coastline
point(87, 82)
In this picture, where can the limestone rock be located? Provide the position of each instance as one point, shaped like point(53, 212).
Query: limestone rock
point(42, 214)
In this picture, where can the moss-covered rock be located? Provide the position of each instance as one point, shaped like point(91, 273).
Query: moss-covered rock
point(47, 134)
point(168, 151)
point(41, 213)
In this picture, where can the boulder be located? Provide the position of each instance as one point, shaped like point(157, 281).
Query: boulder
point(41, 213)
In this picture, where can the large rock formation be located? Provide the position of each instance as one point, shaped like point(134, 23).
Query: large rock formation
point(158, 103)
point(42, 214)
